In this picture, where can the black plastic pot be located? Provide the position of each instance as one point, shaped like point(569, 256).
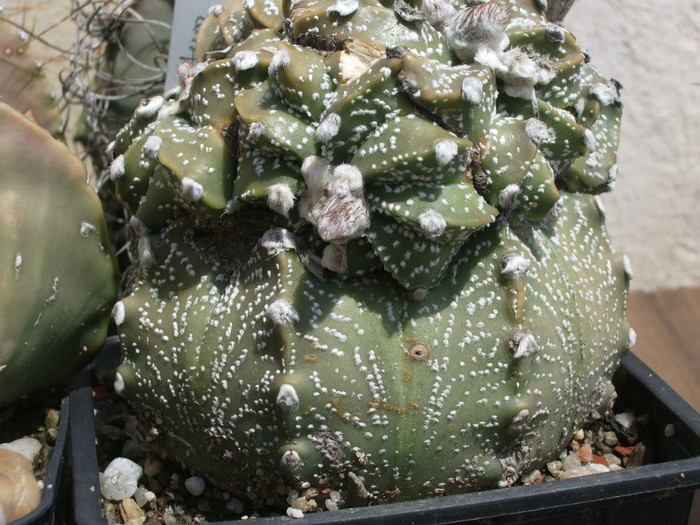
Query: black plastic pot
point(52, 507)
point(666, 492)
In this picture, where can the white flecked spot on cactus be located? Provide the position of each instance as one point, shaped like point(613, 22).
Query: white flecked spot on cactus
point(519, 422)
point(118, 313)
point(216, 10)
point(244, 60)
point(278, 240)
point(151, 148)
point(589, 140)
point(109, 150)
point(191, 190)
point(432, 223)
point(600, 206)
point(255, 131)
point(287, 398)
point(344, 7)
point(280, 198)
point(631, 338)
point(472, 91)
point(150, 109)
point(86, 229)
point(328, 128)
point(195, 485)
point(607, 93)
point(280, 60)
point(18, 263)
point(508, 196)
point(523, 344)
point(445, 151)
point(117, 169)
point(537, 131)
point(514, 266)
point(281, 312)
point(627, 265)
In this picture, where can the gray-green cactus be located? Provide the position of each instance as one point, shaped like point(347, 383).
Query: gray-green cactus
point(58, 278)
point(367, 257)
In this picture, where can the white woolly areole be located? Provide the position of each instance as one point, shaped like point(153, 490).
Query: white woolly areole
point(555, 33)
point(151, 148)
point(280, 60)
point(341, 219)
point(445, 151)
point(244, 60)
point(291, 461)
point(287, 398)
point(150, 108)
point(140, 229)
point(432, 223)
point(255, 131)
point(146, 255)
point(191, 190)
point(117, 169)
point(438, 13)
point(344, 7)
point(278, 240)
point(589, 140)
point(118, 313)
point(478, 30)
point(280, 198)
point(216, 10)
point(508, 196)
point(281, 312)
point(315, 171)
point(346, 180)
point(472, 91)
point(631, 338)
point(419, 294)
point(514, 266)
point(119, 384)
point(335, 258)
point(627, 266)
point(606, 94)
point(328, 128)
point(523, 344)
point(537, 131)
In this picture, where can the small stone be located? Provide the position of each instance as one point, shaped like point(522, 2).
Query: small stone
point(26, 446)
point(669, 430)
point(294, 513)
point(331, 505)
point(195, 485)
point(120, 479)
point(579, 435)
point(600, 460)
point(19, 491)
point(624, 451)
point(554, 468)
point(131, 511)
point(169, 518)
point(570, 462)
point(235, 506)
point(153, 466)
point(143, 496)
point(612, 459)
point(596, 468)
point(626, 419)
point(610, 439)
point(585, 454)
point(533, 477)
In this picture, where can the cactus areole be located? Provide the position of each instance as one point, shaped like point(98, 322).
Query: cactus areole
point(369, 254)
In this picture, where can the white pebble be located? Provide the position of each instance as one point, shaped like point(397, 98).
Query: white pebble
point(295, 513)
point(195, 485)
point(26, 446)
point(120, 479)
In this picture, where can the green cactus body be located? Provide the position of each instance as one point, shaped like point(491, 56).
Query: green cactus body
point(58, 280)
point(368, 259)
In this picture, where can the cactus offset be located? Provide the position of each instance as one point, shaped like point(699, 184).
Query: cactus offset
point(367, 257)
point(58, 278)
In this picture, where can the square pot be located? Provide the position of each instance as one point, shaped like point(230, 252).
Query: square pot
point(667, 491)
point(52, 507)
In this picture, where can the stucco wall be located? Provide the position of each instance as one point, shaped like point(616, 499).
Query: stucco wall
point(653, 48)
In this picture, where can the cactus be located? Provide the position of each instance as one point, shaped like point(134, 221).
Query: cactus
point(368, 257)
point(58, 277)
point(25, 86)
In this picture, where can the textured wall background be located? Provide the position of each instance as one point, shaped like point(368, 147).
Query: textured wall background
point(653, 48)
